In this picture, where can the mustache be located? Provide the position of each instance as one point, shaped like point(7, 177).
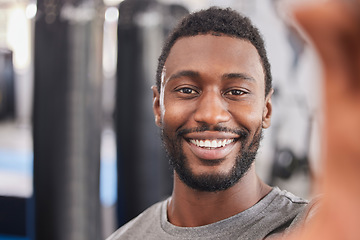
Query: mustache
point(243, 133)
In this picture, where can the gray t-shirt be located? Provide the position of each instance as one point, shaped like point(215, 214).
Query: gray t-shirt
point(272, 216)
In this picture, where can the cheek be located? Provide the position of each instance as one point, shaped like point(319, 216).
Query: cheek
point(249, 115)
point(176, 114)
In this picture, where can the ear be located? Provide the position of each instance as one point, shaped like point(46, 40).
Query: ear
point(267, 112)
point(156, 105)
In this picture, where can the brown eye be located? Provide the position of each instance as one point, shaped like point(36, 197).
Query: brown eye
point(187, 90)
point(235, 92)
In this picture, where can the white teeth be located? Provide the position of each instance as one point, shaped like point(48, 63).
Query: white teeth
point(211, 143)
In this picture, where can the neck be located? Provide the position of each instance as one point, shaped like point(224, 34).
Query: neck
point(193, 208)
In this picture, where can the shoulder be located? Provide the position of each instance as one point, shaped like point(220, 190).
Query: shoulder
point(303, 211)
point(138, 227)
point(291, 197)
point(287, 203)
point(309, 212)
point(284, 207)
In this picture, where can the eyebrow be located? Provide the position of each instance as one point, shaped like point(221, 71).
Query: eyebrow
point(226, 76)
point(185, 73)
point(243, 76)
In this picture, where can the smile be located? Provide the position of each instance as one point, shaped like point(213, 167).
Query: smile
point(211, 143)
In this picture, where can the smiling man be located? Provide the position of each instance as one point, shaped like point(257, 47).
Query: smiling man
point(212, 100)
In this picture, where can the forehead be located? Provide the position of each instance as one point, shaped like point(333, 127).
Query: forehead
point(214, 55)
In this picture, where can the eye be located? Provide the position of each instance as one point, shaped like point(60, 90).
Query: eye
point(235, 92)
point(187, 90)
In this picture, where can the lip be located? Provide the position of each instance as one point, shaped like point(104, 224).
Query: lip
point(211, 153)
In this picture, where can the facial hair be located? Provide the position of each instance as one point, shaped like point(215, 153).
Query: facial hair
point(212, 182)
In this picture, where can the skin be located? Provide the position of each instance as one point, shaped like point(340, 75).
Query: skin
point(213, 81)
point(333, 28)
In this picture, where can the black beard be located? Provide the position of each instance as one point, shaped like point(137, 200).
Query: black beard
point(212, 182)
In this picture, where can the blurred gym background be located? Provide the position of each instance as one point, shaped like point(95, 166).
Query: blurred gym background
point(80, 154)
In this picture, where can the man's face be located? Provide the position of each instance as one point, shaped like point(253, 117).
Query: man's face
point(211, 109)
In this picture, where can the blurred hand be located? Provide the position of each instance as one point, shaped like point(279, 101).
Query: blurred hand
point(334, 29)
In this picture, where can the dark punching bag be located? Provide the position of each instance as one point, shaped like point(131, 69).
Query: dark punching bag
point(144, 176)
point(67, 119)
point(7, 87)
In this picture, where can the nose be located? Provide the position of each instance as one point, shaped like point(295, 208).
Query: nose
point(211, 109)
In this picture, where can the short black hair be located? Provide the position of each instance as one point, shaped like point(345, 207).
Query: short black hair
point(217, 21)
